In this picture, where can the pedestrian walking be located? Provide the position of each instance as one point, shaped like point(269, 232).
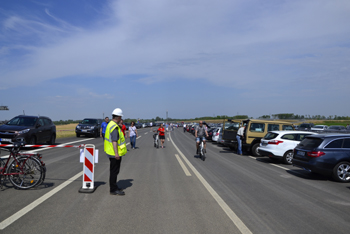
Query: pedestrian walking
point(132, 135)
point(103, 127)
point(239, 137)
point(115, 148)
point(161, 131)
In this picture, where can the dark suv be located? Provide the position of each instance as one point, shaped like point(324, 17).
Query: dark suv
point(31, 129)
point(327, 154)
point(89, 127)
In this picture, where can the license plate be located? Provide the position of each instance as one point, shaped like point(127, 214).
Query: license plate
point(301, 153)
point(84, 130)
point(5, 139)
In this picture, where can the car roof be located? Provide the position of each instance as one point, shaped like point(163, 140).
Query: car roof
point(295, 132)
point(31, 116)
point(329, 135)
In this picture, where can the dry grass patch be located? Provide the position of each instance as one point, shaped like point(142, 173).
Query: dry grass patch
point(67, 130)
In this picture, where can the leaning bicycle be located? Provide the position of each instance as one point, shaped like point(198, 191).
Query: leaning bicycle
point(24, 171)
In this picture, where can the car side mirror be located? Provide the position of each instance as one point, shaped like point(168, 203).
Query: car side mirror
point(38, 125)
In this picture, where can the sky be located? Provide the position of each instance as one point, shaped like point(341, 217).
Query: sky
point(73, 59)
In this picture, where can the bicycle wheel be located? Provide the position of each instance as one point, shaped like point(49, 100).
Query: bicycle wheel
point(28, 171)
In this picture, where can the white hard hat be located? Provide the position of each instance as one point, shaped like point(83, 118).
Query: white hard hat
point(117, 112)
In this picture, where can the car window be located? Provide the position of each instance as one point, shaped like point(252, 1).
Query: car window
point(310, 143)
point(231, 126)
point(335, 144)
point(289, 136)
point(273, 127)
point(22, 121)
point(346, 143)
point(257, 127)
point(47, 122)
point(287, 127)
point(301, 137)
point(89, 121)
point(41, 122)
point(270, 136)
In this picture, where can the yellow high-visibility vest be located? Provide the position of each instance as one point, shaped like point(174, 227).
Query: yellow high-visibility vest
point(108, 146)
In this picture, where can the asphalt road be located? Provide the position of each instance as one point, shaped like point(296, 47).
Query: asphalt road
point(171, 191)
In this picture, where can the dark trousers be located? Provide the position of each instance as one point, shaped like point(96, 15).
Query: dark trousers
point(114, 169)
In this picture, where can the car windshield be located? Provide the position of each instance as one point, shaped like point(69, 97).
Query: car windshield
point(270, 136)
point(304, 125)
point(231, 126)
point(310, 143)
point(89, 121)
point(22, 121)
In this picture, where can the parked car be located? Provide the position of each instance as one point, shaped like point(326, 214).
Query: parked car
point(220, 140)
point(305, 126)
point(138, 125)
point(336, 128)
point(319, 128)
point(327, 154)
point(279, 145)
point(210, 134)
point(89, 127)
point(30, 129)
point(254, 131)
point(216, 133)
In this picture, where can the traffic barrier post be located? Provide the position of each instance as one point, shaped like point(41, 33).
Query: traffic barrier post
point(88, 169)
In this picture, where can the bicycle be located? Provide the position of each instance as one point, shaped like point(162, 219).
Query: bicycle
point(201, 150)
point(25, 171)
point(156, 140)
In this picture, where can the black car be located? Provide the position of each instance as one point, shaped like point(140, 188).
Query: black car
point(305, 126)
point(336, 128)
point(89, 127)
point(30, 129)
point(327, 154)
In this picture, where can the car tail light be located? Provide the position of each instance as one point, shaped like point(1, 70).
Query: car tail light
point(217, 134)
point(274, 142)
point(315, 153)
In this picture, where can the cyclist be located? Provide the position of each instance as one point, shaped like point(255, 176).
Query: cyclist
point(161, 131)
point(200, 133)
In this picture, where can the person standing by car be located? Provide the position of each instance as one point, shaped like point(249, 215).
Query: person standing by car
point(132, 135)
point(115, 148)
point(161, 131)
point(200, 133)
point(103, 127)
point(239, 137)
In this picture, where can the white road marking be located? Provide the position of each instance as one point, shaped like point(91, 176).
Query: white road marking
point(187, 173)
point(37, 202)
point(234, 218)
point(146, 133)
point(138, 137)
point(272, 164)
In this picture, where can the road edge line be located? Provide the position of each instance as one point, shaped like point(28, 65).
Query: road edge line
point(232, 215)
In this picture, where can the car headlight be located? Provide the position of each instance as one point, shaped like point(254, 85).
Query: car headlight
point(92, 127)
point(23, 131)
point(78, 127)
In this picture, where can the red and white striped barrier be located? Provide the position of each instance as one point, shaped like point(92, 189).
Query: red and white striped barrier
point(45, 146)
point(88, 171)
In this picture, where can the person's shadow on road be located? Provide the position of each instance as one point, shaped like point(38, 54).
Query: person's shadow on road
point(124, 184)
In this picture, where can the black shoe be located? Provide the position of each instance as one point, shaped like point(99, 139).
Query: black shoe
point(118, 192)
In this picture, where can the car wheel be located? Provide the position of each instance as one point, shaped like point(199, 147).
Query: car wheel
point(52, 140)
point(288, 157)
point(341, 172)
point(255, 151)
point(32, 140)
point(78, 135)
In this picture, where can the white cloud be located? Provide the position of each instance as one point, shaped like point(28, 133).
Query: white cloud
point(233, 43)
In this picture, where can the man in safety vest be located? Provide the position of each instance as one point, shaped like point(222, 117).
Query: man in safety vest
point(115, 148)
